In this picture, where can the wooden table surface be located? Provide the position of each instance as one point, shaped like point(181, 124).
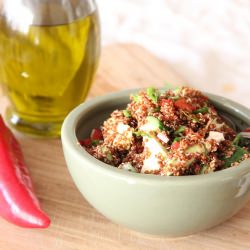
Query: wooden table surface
point(75, 224)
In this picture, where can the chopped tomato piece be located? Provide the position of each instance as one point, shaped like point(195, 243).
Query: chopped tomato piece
point(175, 145)
point(86, 142)
point(182, 104)
point(96, 134)
point(246, 130)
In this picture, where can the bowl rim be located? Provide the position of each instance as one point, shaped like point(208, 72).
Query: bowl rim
point(70, 142)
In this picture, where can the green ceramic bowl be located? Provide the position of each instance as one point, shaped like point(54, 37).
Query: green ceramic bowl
point(159, 205)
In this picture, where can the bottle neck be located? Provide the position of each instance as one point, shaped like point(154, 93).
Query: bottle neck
point(46, 12)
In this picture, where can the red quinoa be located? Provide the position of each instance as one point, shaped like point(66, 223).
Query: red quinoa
point(177, 132)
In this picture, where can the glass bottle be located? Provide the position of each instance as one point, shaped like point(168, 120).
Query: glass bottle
point(49, 52)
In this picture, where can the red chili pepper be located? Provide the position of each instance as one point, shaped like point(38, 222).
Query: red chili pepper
point(18, 203)
point(85, 142)
point(175, 145)
point(96, 134)
point(182, 104)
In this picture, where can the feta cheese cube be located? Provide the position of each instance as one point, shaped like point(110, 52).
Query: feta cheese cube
point(151, 163)
point(217, 136)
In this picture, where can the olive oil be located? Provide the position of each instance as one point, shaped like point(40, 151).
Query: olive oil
point(46, 71)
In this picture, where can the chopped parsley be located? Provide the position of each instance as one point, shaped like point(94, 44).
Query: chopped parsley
point(174, 97)
point(180, 130)
point(136, 98)
point(203, 110)
point(141, 133)
point(157, 109)
point(238, 154)
point(237, 139)
point(126, 113)
point(203, 169)
point(177, 139)
point(95, 142)
point(109, 156)
point(153, 94)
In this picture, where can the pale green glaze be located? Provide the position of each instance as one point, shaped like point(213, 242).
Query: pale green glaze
point(170, 206)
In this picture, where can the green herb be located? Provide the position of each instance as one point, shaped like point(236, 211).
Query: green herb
point(157, 109)
point(242, 140)
point(174, 97)
point(180, 130)
point(176, 91)
point(237, 139)
point(203, 169)
point(109, 156)
point(206, 151)
point(177, 139)
point(169, 129)
point(136, 98)
point(141, 133)
point(153, 94)
point(95, 142)
point(238, 154)
point(126, 113)
point(203, 110)
point(190, 117)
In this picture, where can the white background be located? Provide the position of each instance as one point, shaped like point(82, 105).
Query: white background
point(206, 41)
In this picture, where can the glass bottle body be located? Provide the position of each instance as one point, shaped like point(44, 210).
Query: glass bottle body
point(49, 56)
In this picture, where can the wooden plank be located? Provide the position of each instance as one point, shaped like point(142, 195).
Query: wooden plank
point(75, 224)
point(131, 66)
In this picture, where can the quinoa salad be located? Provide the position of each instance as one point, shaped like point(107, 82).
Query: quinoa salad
point(169, 133)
